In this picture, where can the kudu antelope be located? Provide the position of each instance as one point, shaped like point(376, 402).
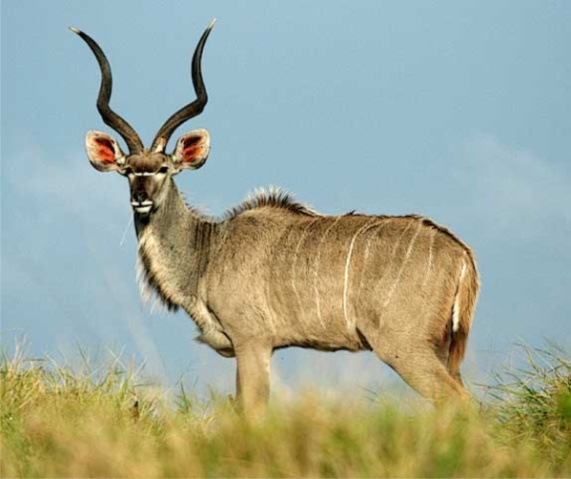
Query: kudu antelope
point(274, 273)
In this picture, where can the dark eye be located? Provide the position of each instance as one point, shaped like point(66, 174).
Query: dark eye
point(163, 169)
point(126, 171)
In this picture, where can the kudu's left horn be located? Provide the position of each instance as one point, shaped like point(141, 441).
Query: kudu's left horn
point(111, 118)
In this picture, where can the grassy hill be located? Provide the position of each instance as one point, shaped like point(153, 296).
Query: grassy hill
point(57, 422)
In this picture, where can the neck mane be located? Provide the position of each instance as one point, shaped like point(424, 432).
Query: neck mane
point(175, 244)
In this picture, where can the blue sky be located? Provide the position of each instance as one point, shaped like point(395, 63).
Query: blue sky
point(455, 110)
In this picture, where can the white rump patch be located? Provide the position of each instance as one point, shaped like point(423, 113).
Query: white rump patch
point(456, 308)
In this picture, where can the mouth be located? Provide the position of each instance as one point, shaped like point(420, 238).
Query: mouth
point(143, 207)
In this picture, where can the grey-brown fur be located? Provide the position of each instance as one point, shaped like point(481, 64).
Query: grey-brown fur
point(273, 273)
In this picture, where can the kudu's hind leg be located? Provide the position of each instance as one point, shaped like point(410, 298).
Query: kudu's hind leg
point(419, 365)
point(424, 372)
point(442, 351)
point(252, 379)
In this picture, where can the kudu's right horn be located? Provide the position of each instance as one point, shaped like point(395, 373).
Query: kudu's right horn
point(195, 107)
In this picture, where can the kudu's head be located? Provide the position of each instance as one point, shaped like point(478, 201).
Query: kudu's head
point(148, 169)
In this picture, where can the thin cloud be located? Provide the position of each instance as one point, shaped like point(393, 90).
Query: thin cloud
point(67, 191)
point(69, 184)
point(514, 192)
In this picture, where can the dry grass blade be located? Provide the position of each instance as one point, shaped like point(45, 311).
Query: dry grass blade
point(104, 423)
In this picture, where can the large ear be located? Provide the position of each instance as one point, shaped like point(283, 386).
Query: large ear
point(103, 151)
point(192, 149)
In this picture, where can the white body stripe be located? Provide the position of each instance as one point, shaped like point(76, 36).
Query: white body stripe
point(294, 263)
point(429, 266)
point(456, 308)
point(351, 324)
point(366, 254)
point(404, 262)
point(316, 271)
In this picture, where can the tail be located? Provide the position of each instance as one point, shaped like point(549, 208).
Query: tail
point(463, 312)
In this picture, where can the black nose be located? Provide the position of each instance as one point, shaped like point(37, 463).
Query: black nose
point(140, 196)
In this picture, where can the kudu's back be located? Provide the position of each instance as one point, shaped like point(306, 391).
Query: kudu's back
point(397, 285)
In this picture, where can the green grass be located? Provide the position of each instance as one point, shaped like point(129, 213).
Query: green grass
point(59, 422)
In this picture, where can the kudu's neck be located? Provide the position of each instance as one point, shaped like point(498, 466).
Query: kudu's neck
point(175, 245)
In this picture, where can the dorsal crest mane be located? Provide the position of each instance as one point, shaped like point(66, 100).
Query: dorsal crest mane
point(274, 198)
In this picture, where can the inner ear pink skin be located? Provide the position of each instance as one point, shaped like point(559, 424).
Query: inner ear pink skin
point(105, 151)
point(192, 149)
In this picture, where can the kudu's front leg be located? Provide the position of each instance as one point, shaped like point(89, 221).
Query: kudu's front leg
point(252, 378)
